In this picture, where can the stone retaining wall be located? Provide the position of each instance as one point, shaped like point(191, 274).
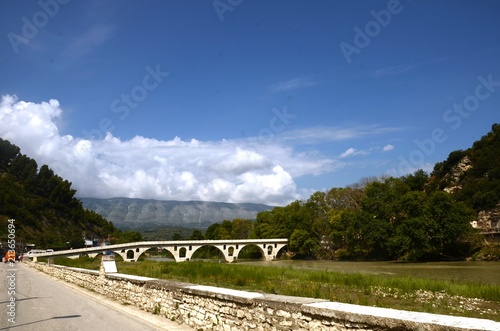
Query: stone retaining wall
point(214, 308)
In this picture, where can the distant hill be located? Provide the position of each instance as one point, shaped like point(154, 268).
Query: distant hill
point(128, 213)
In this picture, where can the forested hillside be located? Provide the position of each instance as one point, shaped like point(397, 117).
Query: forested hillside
point(413, 217)
point(473, 175)
point(43, 205)
point(388, 218)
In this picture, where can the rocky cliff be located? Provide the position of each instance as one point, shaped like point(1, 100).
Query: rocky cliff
point(473, 177)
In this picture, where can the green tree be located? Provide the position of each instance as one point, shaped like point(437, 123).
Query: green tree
point(410, 240)
point(345, 197)
point(44, 205)
point(211, 231)
point(224, 230)
point(177, 236)
point(8, 153)
point(197, 235)
point(452, 224)
point(416, 181)
point(129, 236)
point(302, 243)
point(241, 228)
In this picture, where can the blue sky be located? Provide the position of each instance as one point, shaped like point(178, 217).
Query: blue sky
point(244, 101)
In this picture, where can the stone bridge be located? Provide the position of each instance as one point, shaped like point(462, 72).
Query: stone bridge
point(181, 250)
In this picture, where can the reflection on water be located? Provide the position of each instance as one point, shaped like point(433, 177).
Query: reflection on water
point(482, 272)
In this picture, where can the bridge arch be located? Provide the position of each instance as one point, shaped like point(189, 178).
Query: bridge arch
point(131, 254)
point(231, 252)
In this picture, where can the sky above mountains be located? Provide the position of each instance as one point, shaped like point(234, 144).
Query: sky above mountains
point(244, 101)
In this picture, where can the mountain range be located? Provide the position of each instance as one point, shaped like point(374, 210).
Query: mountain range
point(135, 214)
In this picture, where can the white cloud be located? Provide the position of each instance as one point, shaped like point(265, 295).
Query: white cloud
point(317, 135)
point(232, 171)
point(387, 148)
point(350, 152)
point(239, 170)
point(353, 152)
point(401, 69)
point(291, 84)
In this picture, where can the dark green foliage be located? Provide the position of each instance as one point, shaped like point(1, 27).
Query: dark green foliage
point(177, 236)
point(197, 235)
point(303, 243)
point(44, 206)
point(406, 218)
point(480, 185)
point(129, 236)
point(416, 181)
point(241, 229)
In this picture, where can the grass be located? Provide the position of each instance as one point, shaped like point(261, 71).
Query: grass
point(401, 292)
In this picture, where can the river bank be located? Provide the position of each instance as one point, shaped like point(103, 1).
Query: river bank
point(486, 272)
point(440, 296)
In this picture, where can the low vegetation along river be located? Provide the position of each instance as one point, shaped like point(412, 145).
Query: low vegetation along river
point(481, 272)
point(469, 271)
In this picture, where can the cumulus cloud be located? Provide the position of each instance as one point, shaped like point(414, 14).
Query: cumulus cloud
point(230, 171)
point(387, 148)
point(240, 170)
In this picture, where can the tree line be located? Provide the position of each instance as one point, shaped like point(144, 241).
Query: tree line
point(377, 218)
point(410, 217)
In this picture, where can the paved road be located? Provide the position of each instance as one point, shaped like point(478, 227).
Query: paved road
point(43, 303)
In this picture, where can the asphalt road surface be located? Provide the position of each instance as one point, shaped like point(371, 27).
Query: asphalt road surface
point(43, 303)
